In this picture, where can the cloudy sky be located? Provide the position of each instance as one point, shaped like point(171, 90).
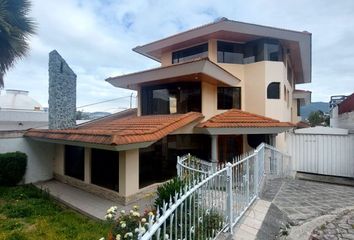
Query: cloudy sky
point(96, 37)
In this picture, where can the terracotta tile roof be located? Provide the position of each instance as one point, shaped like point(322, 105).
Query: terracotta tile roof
point(121, 130)
point(235, 118)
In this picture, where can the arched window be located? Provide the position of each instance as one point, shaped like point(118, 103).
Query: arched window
point(273, 90)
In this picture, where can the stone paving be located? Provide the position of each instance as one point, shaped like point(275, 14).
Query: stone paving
point(342, 227)
point(304, 200)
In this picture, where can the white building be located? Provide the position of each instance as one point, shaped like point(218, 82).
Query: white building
point(18, 111)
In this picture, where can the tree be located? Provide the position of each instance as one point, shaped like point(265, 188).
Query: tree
point(15, 29)
point(318, 118)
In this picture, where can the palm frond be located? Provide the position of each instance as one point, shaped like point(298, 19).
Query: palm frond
point(15, 29)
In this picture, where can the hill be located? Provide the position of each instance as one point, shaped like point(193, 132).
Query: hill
point(315, 106)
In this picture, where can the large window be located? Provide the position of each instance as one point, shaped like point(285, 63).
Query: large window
point(157, 163)
point(229, 97)
point(230, 52)
point(105, 168)
point(74, 162)
point(273, 90)
point(171, 98)
point(191, 53)
point(298, 107)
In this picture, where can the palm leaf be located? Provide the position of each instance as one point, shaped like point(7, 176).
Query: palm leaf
point(15, 29)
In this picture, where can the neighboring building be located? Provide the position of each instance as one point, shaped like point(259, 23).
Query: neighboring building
point(342, 112)
point(18, 111)
point(221, 90)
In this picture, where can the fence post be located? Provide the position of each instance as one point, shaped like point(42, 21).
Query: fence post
point(248, 179)
point(229, 195)
point(256, 172)
point(178, 167)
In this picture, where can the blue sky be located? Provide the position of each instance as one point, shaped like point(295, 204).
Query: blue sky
point(96, 38)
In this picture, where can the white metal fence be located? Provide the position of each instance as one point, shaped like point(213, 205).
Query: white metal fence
point(215, 196)
point(327, 154)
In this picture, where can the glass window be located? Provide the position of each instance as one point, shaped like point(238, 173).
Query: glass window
point(74, 161)
point(229, 97)
point(157, 163)
point(298, 109)
point(191, 53)
point(273, 90)
point(105, 168)
point(171, 98)
point(230, 52)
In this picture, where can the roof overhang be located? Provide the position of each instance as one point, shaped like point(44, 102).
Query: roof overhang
point(194, 70)
point(303, 96)
point(239, 130)
point(298, 43)
point(92, 145)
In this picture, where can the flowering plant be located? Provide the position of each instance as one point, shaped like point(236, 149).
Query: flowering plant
point(128, 225)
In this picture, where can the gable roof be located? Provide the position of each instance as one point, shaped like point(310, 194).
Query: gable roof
point(235, 118)
point(119, 130)
point(298, 43)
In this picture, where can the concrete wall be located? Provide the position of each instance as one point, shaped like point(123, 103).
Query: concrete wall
point(40, 156)
point(345, 120)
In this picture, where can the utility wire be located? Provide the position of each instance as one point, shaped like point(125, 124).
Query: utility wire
point(110, 100)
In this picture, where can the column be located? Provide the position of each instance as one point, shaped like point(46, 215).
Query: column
point(59, 159)
point(214, 151)
point(129, 172)
point(87, 165)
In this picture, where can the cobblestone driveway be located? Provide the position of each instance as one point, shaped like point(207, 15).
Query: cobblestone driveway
point(304, 200)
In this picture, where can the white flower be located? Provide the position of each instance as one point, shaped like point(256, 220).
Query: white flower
point(142, 230)
point(109, 216)
point(151, 214)
point(143, 220)
point(136, 230)
point(130, 234)
point(136, 207)
point(131, 211)
point(102, 238)
point(123, 225)
point(122, 211)
point(118, 237)
point(136, 214)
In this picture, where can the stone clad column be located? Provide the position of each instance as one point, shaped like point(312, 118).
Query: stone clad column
point(128, 172)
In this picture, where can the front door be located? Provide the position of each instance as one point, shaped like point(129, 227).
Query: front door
point(229, 147)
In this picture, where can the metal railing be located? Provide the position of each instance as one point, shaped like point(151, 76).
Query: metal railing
point(215, 197)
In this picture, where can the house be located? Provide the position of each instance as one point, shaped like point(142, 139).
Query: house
point(221, 90)
point(19, 111)
point(342, 112)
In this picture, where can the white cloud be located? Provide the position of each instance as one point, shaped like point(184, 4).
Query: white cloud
point(96, 37)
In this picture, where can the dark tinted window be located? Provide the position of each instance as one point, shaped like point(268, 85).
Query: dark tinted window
point(74, 161)
point(105, 168)
point(171, 98)
point(298, 107)
point(199, 51)
point(229, 97)
point(273, 90)
point(157, 163)
point(230, 52)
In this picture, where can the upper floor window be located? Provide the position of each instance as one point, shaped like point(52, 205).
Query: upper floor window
point(191, 53)
point(229, 97)
point(273, 90)
point(230, 52)
point(171, 98)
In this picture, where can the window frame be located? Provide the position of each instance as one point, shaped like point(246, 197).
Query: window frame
point(188, 48)
point(272, 95)
point(234, 104)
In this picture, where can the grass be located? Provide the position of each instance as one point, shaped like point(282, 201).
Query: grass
point(27, 213)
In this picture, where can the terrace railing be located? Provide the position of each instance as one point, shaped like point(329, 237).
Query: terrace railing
point(215, 197)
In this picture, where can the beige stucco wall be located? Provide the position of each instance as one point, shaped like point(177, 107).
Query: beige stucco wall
point(129, 172)
point(59, 159)
point(166, 59)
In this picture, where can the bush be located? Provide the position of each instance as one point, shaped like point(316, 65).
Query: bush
point(12, 167)
point(168, 190)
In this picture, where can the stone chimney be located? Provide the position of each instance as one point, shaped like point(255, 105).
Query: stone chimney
point(62, 93)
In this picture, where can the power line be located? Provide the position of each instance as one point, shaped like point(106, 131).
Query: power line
point(110, 100)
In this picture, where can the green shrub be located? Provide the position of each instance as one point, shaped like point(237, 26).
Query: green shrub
point(168, 190)
point(12, 167)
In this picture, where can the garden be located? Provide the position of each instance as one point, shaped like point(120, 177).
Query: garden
point(28, 213)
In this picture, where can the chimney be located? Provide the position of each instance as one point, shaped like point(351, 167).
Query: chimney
point(62, 93)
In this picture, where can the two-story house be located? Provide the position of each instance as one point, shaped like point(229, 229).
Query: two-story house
point(222, 89)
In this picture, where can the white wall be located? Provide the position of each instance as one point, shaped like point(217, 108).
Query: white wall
point(344, 120)
point(39, 156)
point(327, 154)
